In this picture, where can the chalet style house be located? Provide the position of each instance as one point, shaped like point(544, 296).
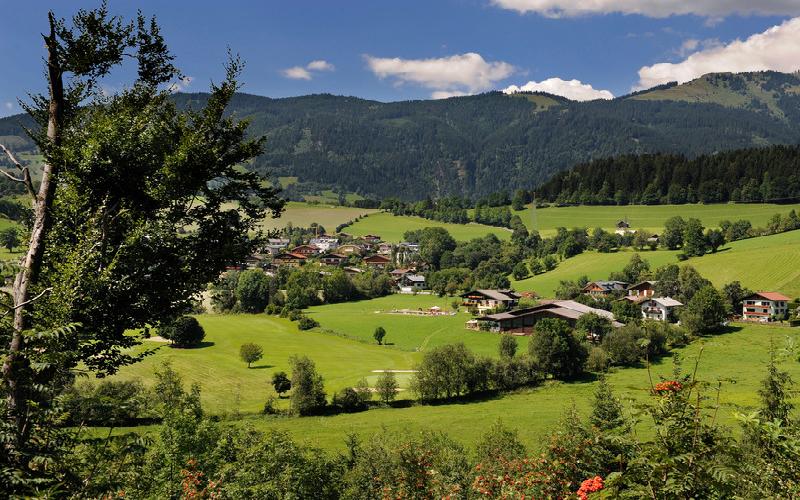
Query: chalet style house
point(349, 249)
point(410, 283)
point(371, 238)
point(763, 306)
point(487, 300)
point(623, 228)
point(332, 259)
point(603, 288)
point(642, 289)
point(377, 261)
point(306, 250)
point(289, 259)
point(660, 308)
point(522, 321)
point(324, 243)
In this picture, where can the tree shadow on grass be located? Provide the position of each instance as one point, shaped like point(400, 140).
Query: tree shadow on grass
point(201, 345)
point(261, 367)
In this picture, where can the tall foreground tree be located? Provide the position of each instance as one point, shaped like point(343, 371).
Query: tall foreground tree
point(122, 175)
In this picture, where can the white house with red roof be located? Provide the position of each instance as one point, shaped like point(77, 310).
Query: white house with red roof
point(762, 306)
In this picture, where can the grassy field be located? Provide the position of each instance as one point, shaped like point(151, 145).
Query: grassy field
point(765, 263)
point(738, 356)
point(224, 377)
point(649, 217)
point(412, 333)
point(391, 228)
point(303, 214)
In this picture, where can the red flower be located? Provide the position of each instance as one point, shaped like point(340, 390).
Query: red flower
point(667, 386)
point(590, 486)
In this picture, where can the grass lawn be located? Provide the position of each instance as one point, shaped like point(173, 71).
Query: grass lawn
point(411, 333)
point(737, 357)
point(391, 228)
point(303, 214)
point(222, 375)
point(765, 263)
point(650, 217)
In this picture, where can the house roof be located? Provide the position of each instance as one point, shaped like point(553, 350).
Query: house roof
point(636, 286)
point(501, 295)
point(667, 301)
point(770, 296)
point(376, 258)
point(568, 309)
point(290, 256)
point(414, 277)
point(332, 256)
point(607, 285)
point(400, 271)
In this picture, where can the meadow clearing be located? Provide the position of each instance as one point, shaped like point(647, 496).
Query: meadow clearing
point(301, 214)
point(392, 227)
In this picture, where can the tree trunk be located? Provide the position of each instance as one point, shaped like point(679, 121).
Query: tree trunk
point(16, 370)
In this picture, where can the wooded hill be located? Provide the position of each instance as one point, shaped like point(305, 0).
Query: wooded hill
point(472, 146)
point(769, 174)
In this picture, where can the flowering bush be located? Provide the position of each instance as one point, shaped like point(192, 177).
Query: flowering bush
point(667, 387)
point(591, 485)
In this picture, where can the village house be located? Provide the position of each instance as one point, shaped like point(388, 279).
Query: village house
point(371, 238)
point(332, 259)
point(397, 274)
point(377, 261)
point(349, 249)
point(660, 308)
point(351, 271)
point(306, 250)
point(288, 259)
point(653, 240)
point(488, 300)
point(410, 283)
point(764, 306)
point(255, 261)
point(275, 246)
point(325, 243)
point(623, 228)
point(522, 321)
point(384, 249)
point(642, 290)
point(408, 247)
point(603, 288)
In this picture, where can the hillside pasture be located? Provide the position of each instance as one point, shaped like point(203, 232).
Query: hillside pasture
point(301, 214)
point(392, 227)
point(649, 217)
point(764, 263)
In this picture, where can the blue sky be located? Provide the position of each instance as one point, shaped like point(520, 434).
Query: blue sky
point(418, 49)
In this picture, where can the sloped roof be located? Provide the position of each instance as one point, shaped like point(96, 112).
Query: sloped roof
point(501, 295)
point(770, 296)
point(667, 302)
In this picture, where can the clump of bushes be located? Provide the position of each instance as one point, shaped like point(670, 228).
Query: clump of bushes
point(185, 331)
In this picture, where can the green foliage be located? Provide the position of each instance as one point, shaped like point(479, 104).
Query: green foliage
point(308, 393)
point(281, 383)
point(183, 332)
point(386, 386)
point(444, 372)
point(379, 334)
point(253, 291)
point(306, 323)
point(499, 443)
point(598, 360)
point(507, 347)
point(606, 408)
point(9, 238)
point(593, 326)
point(223, 292)
point(556, 349)
point(108, 402)
point(694, 242)
point(348, 400)
point(674, 231)
point(705, 312)
point(250, 353)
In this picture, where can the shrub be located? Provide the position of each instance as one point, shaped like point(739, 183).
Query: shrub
point(386, 386)
point(379, 334)
point(252, 291)
point(295, 314)
point(307, 323)
point(183, 332)
point(281, 383)
point(250, 353)
point(507, 347)
point(107, 403)
point(598, 360)
point(557, 349)
point(308, 393)
point(348, 400)
point(623, 345)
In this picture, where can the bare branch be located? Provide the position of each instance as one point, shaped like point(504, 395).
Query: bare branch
point(29, 301)
point(26, 175)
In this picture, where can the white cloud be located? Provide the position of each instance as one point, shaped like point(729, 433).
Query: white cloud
point(181, 84)
point(652, 8)
point(571, 89)
point(775, 49)
point(459, 74)
point(8, 105)
point(444, 94)
point(307, 72)
point(297, 73)
point(320, 65)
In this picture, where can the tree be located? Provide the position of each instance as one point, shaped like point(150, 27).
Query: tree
point(672, 237)
point(302, 288)
point(636, 269)
point(184, 331)
point(520, 271)
point(507, 347)
point(549, 261)
point(444, 372)
point(337, 287)
point(433, 242)
point(715, 238)
point(694, 243)
point(101, 214)
point(557, 349)
point(252, 291)
point(536, 266)
point(705, 312)
point(379, 334)
point(250, 353)
point(593, 326)
point(775, 392)
point(9, 238)
point(626, 311)
point(734, 294)
point(606, 407)
point(223, 292)
point(281, 383)
point(308, 392)
point(640, 239)
point(386, 386)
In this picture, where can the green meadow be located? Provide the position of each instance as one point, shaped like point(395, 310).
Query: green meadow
point(391, 227)
point(301, 214)
point(650, 217)
point(764, 263)
point(736, 359)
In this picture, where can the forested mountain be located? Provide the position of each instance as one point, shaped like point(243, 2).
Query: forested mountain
point(472, 146)
point(770, 174)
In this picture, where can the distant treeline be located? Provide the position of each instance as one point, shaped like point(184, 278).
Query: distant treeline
point(770, 174)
